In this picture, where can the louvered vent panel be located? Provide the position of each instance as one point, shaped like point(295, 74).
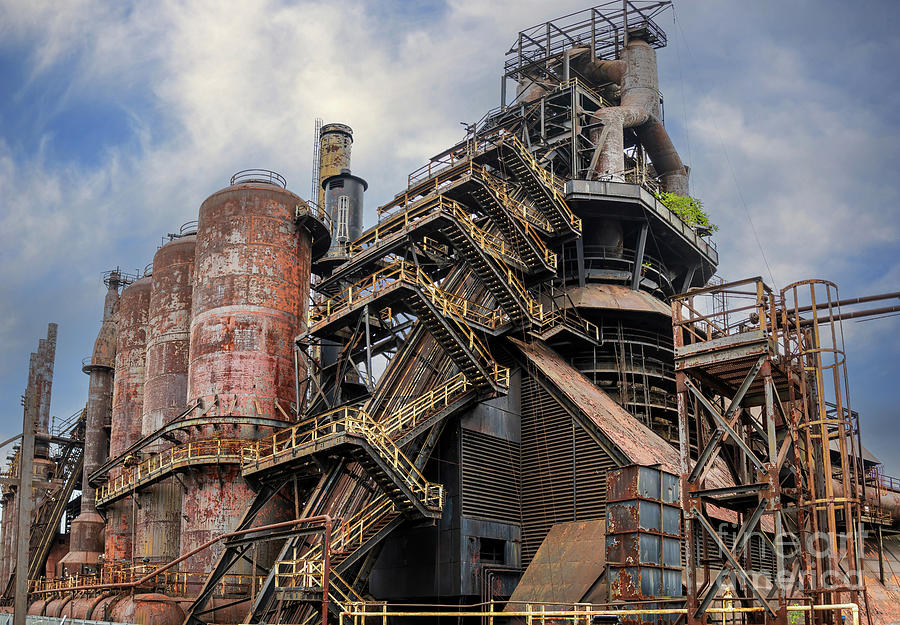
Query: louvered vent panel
point(490, 478)
point(563, 469)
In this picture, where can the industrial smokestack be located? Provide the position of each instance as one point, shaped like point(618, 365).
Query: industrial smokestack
point(127, 405)
point(344, 205)
point(251, 287)
point(86, 537)
point(335, 143)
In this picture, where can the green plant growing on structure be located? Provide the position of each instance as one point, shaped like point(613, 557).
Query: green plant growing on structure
point(689, 210)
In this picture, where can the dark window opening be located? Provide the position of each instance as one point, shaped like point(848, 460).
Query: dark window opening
point(492, 551)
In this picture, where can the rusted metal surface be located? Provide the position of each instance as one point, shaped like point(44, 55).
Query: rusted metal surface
point(168, 334)
point(639, 108)
point(335, 143)
point(158, 523)
point(131, 345)
point(638, 443)
point(37, 413)
point(643, 543)
point(43, 383)
point(149, 609)
point(250, 291)
point(86, 535)
point(251, 285)
point(567, 564)
point(127, 406)
point(614, 297)
point(884, 597)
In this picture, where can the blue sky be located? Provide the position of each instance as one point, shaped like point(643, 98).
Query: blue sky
point(118, 119)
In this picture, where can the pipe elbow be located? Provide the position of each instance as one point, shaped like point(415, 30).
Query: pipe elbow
point(665, 158)
point(601, 71)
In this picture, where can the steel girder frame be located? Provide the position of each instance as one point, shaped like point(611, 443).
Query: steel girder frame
point(736, 432)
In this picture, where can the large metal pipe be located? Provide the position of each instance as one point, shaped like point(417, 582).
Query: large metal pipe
point(86, 534)
point(639, 108)
point(158, 524)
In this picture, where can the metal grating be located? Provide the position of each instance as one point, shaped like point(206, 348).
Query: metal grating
point(490, 478)
point(563, 470)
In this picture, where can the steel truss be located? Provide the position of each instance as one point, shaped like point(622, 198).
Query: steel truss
point(765, 432)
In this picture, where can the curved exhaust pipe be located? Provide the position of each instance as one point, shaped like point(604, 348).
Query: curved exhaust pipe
point(636, 73)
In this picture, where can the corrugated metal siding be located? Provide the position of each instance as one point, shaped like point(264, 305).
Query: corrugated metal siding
point(762, 556)
point(490, 478)
point(563, 470)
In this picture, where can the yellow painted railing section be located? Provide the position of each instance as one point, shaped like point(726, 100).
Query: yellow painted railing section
point(402, 271)
point(492, 243)
point(195, 452)
point(353, 422)
point(309, 574)
point(521, 211)
point(552, 182)
point(176, 583)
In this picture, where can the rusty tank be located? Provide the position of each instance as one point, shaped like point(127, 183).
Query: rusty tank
point(251, 285)
point(158, 524)
point(147, 609)
point(128, 399)
point(37, 607)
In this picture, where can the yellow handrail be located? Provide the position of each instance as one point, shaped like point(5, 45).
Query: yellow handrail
point(521, 211)
point(352, 421)
point(352, 532)
point(309, 573)
point(218, 449)
point(554, 183)
point(410, 414)
point(401, 271)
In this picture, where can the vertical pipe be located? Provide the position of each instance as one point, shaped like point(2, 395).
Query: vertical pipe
point(369, 382)
point(880, 554)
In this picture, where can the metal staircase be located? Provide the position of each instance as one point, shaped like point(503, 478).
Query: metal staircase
point(355, 434)
point(495, 241)
point(449, 317)
point(544, 189)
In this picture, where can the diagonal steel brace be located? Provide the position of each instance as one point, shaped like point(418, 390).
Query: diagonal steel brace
point(740, 544)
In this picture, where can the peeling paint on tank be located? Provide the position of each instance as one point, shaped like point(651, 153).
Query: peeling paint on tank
point(127, 406)
point(250, 288)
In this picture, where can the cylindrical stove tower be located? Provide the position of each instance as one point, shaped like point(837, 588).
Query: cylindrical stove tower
point(251, 285)
point(86, 534)
point(127, 405)
point(165, 390)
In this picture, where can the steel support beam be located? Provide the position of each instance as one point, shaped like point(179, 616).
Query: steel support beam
point(740, 544)
point(735, 436)
point(711, 450)
point(639, 257)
